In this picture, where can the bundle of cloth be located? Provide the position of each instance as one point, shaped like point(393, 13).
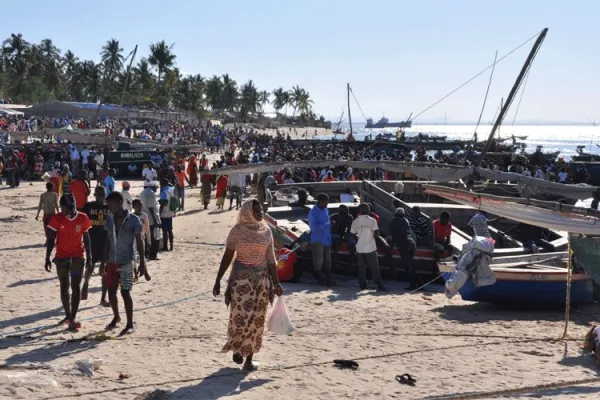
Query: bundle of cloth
point(592, 342)
point(474, 265)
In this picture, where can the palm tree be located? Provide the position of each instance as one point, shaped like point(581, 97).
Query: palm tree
point(112, 58)
point(305, 103)
point(281, 99)
point(143, 82)
point(264, 99)
point(161, 57)
point(230, 94)
point(250, 100)
point(214, 93)
point(294, 98)
point(15, 47)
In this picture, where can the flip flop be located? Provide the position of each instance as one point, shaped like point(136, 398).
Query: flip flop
point(406, 379)
point(346, 364)
point(74, 326)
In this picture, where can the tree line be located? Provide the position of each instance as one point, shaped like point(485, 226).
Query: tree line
point(32, 73)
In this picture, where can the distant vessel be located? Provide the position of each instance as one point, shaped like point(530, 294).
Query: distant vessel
point(385, 123)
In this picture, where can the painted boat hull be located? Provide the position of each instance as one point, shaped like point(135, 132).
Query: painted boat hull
point(530, 288)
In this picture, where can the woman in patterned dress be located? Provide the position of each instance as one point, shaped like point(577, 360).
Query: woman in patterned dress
point(252, 283)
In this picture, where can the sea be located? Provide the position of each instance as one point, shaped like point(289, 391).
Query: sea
point(563, 138)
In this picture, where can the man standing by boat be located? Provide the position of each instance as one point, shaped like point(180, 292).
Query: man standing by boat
point(479, 224)
point(366, 230)
point(403, 240)
point(320, 237)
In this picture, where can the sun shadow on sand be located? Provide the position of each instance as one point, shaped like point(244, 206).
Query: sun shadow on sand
point(480, 313)
point(51, 352)
point(224, 382)
point(24, 247)
point(577, 357)
point(31, 281)
point(36, 317)
point(567, 391)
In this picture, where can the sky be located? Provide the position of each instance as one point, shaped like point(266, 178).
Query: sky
point(398, 56)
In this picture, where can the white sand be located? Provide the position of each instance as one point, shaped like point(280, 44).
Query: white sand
point(450, 346)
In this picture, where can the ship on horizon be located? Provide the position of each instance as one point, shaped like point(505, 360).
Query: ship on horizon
point(385, 123)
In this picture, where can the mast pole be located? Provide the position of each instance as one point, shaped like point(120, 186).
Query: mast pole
point(349, 113)
point(513, 92)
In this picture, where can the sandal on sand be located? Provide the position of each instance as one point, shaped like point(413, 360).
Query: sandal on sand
point(346, 364)
point(406, 379)
point(253, 366)
point(74, 326)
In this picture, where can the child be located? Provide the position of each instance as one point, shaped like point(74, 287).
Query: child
point(137, 210)
point(109, 181)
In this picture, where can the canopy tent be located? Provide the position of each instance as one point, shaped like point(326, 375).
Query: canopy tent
point(57, 108)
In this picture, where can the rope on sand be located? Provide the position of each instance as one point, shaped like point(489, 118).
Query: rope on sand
point(521, 390)
point(241, 372)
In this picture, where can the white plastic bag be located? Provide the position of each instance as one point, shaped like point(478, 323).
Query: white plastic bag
point(27, 379)
point(279, 320)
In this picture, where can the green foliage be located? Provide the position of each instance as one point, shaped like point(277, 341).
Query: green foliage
point(35, 72)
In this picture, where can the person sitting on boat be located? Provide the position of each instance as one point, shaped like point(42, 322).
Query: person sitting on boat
point(442, 230)
point(562, 176)
point(479, 224)
point(302, 199)
point(341, 222)
point(403, 239)
point(420, 226)
point(329, 177)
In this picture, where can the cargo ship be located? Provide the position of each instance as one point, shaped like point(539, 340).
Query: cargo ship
point(385, 123)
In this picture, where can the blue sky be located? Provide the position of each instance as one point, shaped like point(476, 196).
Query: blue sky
point(399, 56)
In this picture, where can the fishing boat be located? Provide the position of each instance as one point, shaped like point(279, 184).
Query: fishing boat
point(584, 156)
point(538, 280)
point(385, 123)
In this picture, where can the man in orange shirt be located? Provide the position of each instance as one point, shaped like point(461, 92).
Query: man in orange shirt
point(180, 187)
point(329, 177)
point(80, 189)
point(69, 230)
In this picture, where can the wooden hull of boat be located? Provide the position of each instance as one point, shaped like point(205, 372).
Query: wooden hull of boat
point(518, 287)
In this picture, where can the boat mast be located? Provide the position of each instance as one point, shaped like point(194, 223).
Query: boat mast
point(513, 92)
point(349, 114)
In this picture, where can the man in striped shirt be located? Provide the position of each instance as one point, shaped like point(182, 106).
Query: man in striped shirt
point(420, 227)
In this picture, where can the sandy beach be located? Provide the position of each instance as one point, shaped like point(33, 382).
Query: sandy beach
point(455, 349)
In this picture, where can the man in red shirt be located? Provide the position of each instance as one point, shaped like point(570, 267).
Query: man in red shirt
point(69, 230)
point(442, 229)
point(80, 190)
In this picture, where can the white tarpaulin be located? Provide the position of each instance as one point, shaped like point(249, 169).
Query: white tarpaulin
point(528, 214)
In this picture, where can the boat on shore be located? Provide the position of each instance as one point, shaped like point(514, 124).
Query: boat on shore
point(536, 280)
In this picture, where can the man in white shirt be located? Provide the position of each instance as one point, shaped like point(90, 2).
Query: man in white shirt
point(150, 207)
point(366, 231)
point(539, 173)
point(149, 173)
point(75, 158)
point(562, 176)
point(85, 154)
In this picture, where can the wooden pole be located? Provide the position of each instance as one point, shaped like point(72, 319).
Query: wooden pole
point(114, 133)
point(349, 113)
point(513, 92)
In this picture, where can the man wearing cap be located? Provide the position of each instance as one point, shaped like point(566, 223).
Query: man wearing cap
point(403, 240)
point(150, 207)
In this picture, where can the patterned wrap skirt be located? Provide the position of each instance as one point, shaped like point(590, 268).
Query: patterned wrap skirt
point(249, 291)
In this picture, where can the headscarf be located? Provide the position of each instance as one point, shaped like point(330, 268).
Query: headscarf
point(246, 217)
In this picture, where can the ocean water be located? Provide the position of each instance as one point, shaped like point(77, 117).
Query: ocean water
point(563, 138)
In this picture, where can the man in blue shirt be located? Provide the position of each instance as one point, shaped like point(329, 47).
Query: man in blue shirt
point(124, 231)
point(320, 237)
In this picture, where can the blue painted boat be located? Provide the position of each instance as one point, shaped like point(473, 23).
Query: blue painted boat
point(533, 280)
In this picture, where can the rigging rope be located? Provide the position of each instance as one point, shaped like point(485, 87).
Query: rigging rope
point(521, 97)
point(476, 76)
point(359, 107)
point(486, 95)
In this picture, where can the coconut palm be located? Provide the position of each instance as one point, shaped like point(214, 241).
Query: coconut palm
point(250, 101)
point(161, 57)
point(263, 97)
point(305, 103)
point(214, 93)
point(112, 58)
point(281, 99)
point(294, 98)
point(15, 47)
point(229, 94)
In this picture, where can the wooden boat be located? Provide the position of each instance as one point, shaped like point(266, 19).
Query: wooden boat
point(583, 156)
point(289, 223)
point(531, 280)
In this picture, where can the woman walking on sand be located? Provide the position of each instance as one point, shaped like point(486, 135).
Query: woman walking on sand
point(206, 188)
point(252, 284)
